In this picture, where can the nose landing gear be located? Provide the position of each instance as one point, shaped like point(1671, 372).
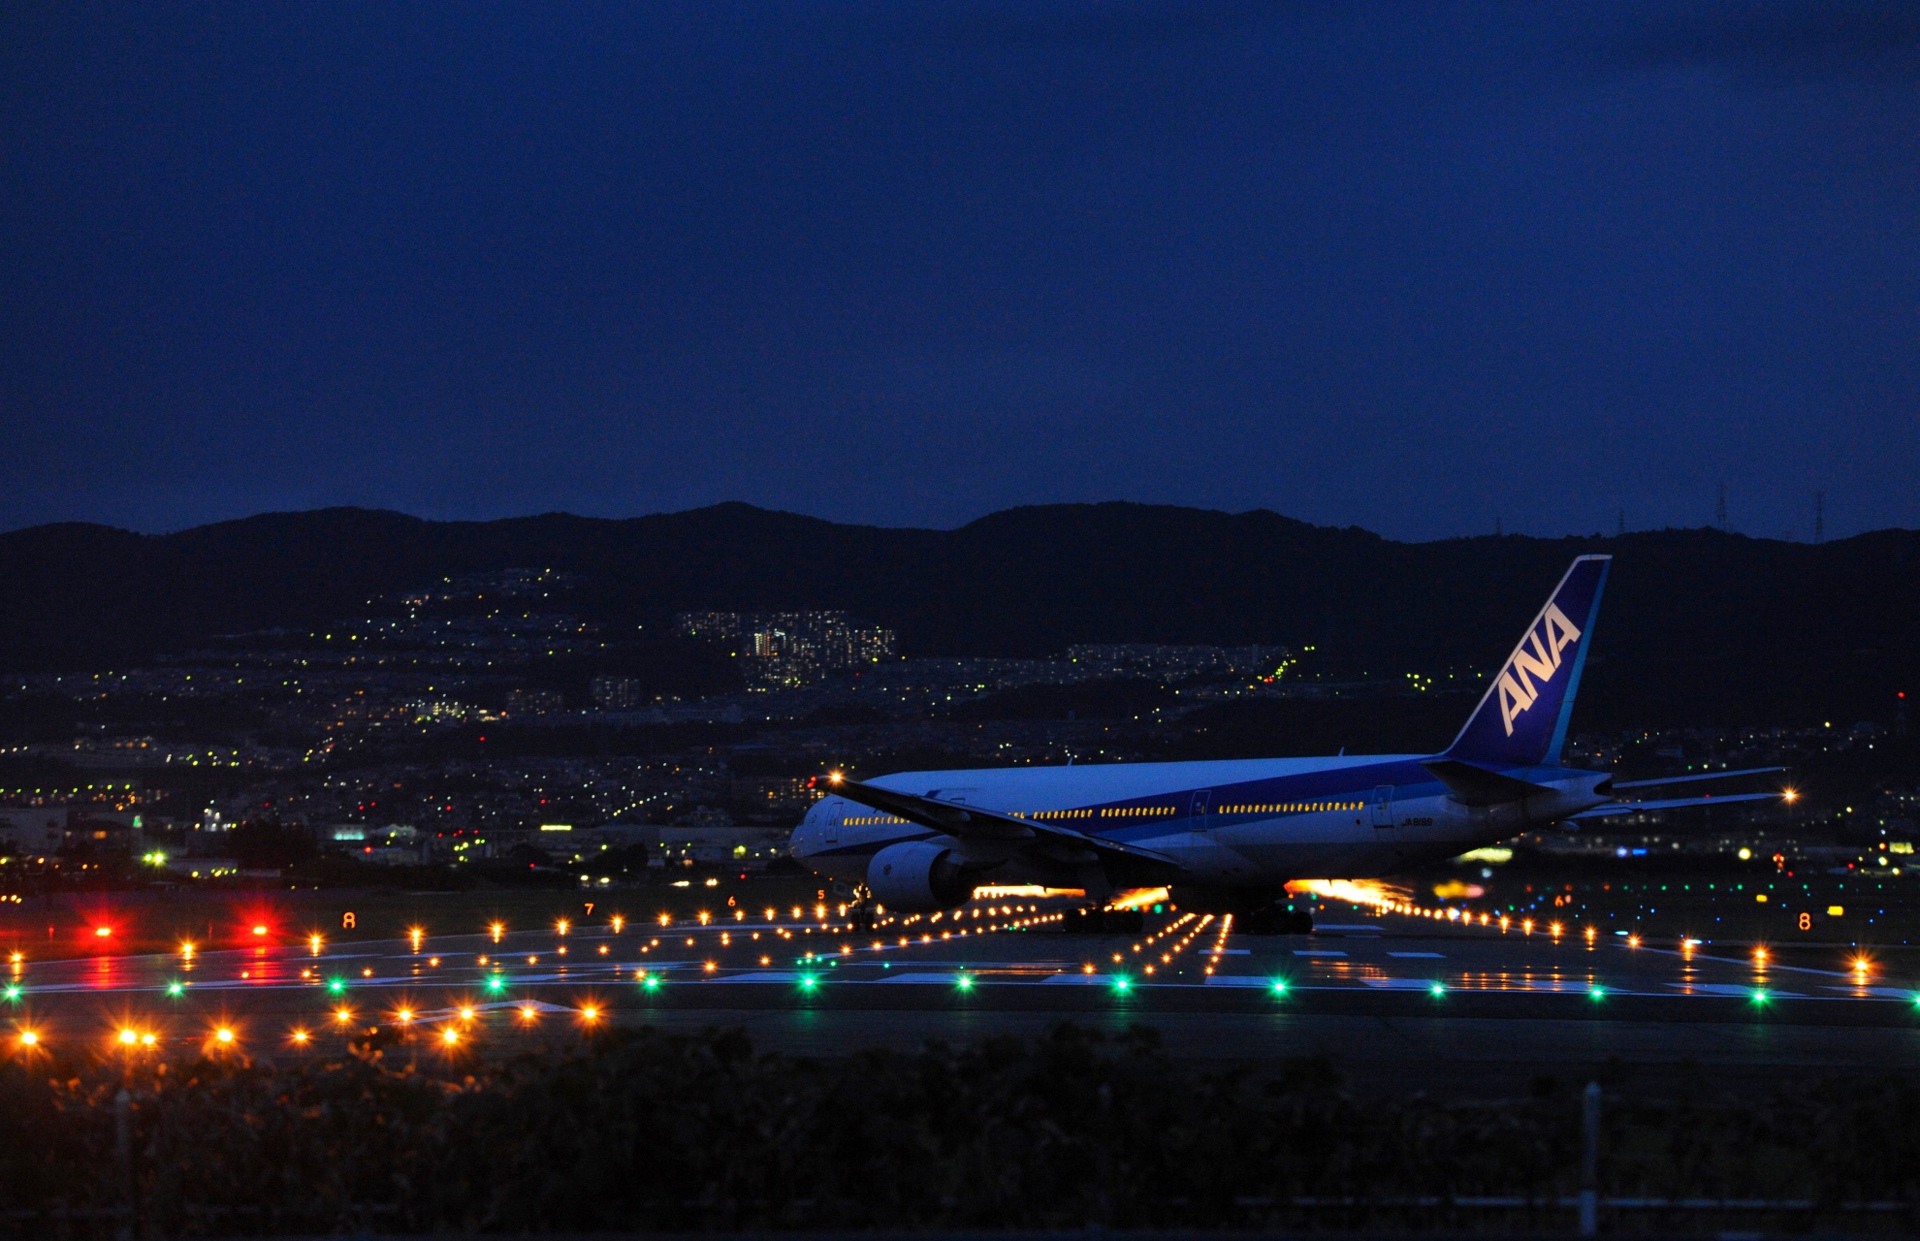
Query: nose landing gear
point(861, 910)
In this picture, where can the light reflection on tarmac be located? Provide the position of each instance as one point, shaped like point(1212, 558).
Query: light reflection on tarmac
point(821, 987)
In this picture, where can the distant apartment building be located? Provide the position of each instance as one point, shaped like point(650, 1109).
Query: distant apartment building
point(617, 693)
point(531, 700)
point(788, 649)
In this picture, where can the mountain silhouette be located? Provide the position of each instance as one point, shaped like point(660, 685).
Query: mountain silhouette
point(1699, 626)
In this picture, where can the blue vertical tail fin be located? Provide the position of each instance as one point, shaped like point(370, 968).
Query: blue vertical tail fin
point(1522, 719)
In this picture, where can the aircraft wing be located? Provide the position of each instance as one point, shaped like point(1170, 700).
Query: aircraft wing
point(1669, 803)
point(974, 822)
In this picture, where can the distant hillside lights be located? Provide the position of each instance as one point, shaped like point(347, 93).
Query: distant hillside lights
point(783, 650)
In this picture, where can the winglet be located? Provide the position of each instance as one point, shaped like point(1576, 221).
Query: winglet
point(1522, 719)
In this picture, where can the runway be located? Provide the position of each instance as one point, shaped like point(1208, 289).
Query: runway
point(1375, 993)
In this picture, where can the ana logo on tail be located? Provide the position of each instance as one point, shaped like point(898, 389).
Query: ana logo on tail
point(1538, 656)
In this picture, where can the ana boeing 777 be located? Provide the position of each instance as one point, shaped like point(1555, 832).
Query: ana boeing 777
point(1228, 836)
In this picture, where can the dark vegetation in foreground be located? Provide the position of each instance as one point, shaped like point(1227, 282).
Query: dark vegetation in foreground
point(647, 1131)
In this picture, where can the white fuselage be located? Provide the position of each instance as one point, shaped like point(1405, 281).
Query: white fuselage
point(1252, 824)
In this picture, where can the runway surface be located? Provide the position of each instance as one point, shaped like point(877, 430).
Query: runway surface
point(1375, 993)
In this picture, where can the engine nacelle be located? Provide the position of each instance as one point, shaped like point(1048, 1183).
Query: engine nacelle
point(917, 877)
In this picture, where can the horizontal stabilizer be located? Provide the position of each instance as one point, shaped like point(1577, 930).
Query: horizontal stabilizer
point(1476, 786)
point(1674, 803)
point(1695, 779)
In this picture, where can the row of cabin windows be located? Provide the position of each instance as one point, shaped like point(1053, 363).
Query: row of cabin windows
point(1293, 807)
point(1111, 812)
point(1138, 812)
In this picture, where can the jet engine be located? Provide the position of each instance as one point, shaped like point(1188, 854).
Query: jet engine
point(917, 877)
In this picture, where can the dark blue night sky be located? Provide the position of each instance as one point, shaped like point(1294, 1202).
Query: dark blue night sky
point(1403, 266)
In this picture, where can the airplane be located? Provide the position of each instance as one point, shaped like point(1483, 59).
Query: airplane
point(1226, 837)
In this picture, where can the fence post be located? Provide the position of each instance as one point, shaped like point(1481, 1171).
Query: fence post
point(1590, 1160)
point(123, 1161)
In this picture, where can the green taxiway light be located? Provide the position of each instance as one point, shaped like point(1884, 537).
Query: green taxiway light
point(1759, 996)
point(963, 982)
point(808, 982)
point(1279, 986)
point(496, 983)
point(651, 983)
point(176, 989)
point(13, 991)
point(1597, 993)
point(1438, 989)
point(1121, 983)
point(338, 986)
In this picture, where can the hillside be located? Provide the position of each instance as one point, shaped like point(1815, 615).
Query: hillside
point(1699, 626)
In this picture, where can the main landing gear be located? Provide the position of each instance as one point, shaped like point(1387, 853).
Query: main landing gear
point(1088, 920)
point(1256, 911)
point(1280, 918)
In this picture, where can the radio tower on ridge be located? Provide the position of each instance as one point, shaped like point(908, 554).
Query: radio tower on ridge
point(1720, 509)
